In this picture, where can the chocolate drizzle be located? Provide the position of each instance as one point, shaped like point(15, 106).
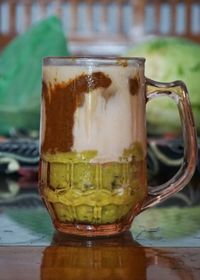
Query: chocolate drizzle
point(134, 85)
point(60, 102)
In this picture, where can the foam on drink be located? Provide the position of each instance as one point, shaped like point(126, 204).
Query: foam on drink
point(105, 120)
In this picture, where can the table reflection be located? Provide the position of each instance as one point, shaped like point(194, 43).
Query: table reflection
point(118, 257)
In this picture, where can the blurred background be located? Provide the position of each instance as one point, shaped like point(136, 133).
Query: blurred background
point(166, 33)
point(89, 24)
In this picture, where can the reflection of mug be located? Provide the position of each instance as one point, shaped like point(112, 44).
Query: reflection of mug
point(93, 143)
point(109, 258)
point(118, 257)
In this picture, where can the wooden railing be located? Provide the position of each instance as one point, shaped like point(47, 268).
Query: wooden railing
point(119, 21)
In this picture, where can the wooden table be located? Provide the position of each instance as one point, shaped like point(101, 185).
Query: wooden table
point(163, 243)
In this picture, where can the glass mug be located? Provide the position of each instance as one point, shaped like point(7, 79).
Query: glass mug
point(93, 143)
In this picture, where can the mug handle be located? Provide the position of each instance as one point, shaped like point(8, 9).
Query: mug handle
point(178, 92)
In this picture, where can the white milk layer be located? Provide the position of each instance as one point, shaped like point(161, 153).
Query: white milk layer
point(107, 126)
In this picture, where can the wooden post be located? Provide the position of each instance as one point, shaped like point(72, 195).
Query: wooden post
point(104, 16)
point(138, 29)
point(74, 16)
point(12, 16)
point(120, 16)
point(139, 12)
point(58, 9)
point(188, 17)
point(89, 15)
point(27, 14)
point(0, 17)
point(173, 8)
point(42, 4)
point(157, 10)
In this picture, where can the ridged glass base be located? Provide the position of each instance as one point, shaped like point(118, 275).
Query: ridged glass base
point(91, 198)
point(91, 230)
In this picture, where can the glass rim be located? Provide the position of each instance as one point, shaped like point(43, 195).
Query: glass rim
point(88, 60)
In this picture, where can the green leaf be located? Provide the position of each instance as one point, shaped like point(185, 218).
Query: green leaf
point(21, 71)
